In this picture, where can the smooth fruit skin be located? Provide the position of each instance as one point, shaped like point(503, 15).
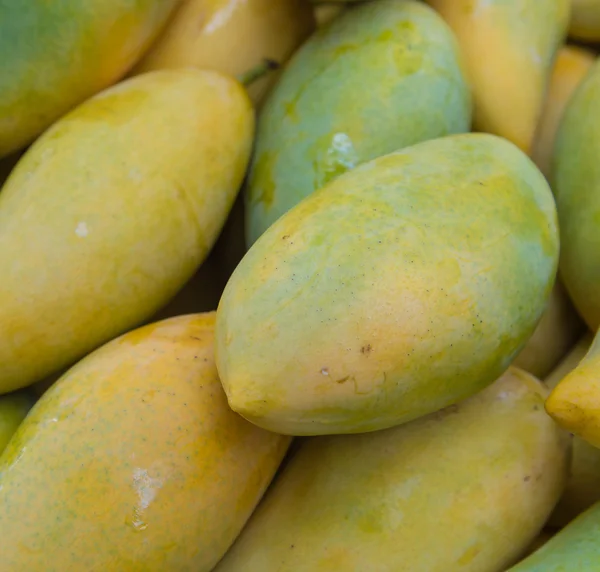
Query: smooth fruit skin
point(582, 487)
point(133, 461)
point(585, 20)
point(382, 76)
point(462, 490)
point(13, 409)
point(56, 54)
point(556, 333)
point(576, 186)
point(509, 48)
point(571, 66)
point(111, 211)
point(231, 36)
point(399, 288)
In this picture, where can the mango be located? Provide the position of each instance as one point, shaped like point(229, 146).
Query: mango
point(384, 75)
point(509, 48)
point(585, 20)
point(554, 336)
point(582, 489)
point(401, 287)
point(112, 211)
point(571, 66)
point(576, 186)
point(57, 54)
point(575, 548)
point(133, 461)
point(231, 37)
point(13, 409)
point(465, 489)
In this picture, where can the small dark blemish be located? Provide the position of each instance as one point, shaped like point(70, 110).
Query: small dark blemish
point(527, 479)
point(366, 350)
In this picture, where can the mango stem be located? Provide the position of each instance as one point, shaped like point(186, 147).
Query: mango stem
point(255, 73)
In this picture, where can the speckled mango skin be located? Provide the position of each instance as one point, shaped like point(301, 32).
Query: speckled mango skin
point(133, 461)
point(111, 211)
point(576, 186)
point(585, 20)
point(462, 490)
point(13, 409)
point(232, 36)
point(509, 48)
point(56, 54)
point(399, 288)
point(582, 489)
point(382, 76)
point(570, 68)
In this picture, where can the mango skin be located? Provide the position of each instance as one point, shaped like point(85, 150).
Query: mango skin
point(13, 409)
point(412, 311)
point(384, 75)
point(132, 461)
point(555, 335)
point(576, 186)
point(231, 36)
point(571, 66)
point(111, 211)
point(509, 48)
point(585, 20)
point(465, 489)
point(57, 54)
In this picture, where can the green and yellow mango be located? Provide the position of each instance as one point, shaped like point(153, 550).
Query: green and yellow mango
point(401, 287)
point(133, 461)
point(466, 489)
point(56, 54)
point(111, 212)
point(382, 76)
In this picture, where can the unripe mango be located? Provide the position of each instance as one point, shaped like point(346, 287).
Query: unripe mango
point(576, 186)
point(401, 287)
point(509, 48)
point(57, 54)
point(466, 489)
point(111, 211)
point(231, 37)
point(133, 461)
point(382, 76)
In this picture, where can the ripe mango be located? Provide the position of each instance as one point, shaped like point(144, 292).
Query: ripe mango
point(13, 409)
point(554, 336)
point(571, 66)
point(401, 287)
point(509, 48)
point(57, 54)
point(576, 186)
point(231, 37)
point(582, 489)
point(585, 20)
point(111, 211)
point(382, 76)
point(466, 489)
point(133, 461)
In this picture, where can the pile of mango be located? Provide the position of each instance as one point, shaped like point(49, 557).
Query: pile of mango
point(289, 286)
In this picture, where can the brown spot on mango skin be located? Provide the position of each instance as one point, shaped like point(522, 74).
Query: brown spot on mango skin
point(133, 461)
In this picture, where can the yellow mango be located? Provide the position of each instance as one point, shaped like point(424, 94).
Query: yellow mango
point(555, 334)
point(111, 211)
point(466, 489)
point(232, 36)
point(585, 20)
point(56, 54)
point(133, 461)
point(13, 409)
point(509, 48)
point(571, 66)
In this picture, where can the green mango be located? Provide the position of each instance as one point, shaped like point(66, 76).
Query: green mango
point(465, 489)
point(401, 287)
point(383, 76)
point(13, 409)
point(576, 186)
